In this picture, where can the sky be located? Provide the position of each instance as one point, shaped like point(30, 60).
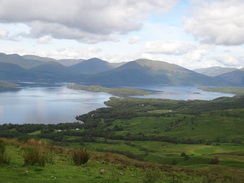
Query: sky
point(190, 33)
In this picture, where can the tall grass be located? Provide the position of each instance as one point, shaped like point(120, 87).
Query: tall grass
point(152, 176)
point(33, 156)
point(4, 159)
point(80, 156)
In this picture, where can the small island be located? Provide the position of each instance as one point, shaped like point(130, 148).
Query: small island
point(232, 90)
point(4, 84)
point(124, 92)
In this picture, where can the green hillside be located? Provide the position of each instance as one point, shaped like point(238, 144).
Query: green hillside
point(203, 138)
point(91, 66)
point(19, 60)
point(145, 71)
point(98, 72)
point(214, 71)
point(13, 72)
point(180, 120)
point(235, 78)
point(65, 62)
point(52, 71)
point(58, 166)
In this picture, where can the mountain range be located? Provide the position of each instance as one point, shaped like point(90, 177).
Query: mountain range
point(100, 72)
point(214, 71)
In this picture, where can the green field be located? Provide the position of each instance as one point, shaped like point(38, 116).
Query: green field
point(101, 168)
point(137, 140)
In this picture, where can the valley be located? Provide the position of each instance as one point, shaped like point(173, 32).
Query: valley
point(138, 121)
point(203, 138)
point(148, 91)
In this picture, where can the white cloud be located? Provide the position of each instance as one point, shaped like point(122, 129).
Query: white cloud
point(134, 40)
point(217, 22)
point(196, 54)
point(171, 48)
point(71, 53)
point(229, 60)
point(85, 21)
point(44, 39)
point(3, 34)
point(199, 52)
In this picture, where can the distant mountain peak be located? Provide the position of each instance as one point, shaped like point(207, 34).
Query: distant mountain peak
point(94, 59)
point(159, 65)
point(214, 71)
point(100, 72)
point(91, 66)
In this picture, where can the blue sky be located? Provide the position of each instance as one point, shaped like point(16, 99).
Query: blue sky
point(190, 33)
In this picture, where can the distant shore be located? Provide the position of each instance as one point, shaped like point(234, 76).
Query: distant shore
point(233, 90)
point(4, 84)
point(124, 92)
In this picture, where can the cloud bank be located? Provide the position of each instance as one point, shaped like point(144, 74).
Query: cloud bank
point(217, 22)
point(170, 48)
point(85, 21)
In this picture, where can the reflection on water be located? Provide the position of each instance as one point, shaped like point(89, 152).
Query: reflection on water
point(47, 104)
point(60, 104)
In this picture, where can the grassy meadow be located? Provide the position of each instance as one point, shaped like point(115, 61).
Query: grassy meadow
point(101, 168)
point(132, 140)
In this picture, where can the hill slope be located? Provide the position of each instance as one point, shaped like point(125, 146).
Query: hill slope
point(65, 62)
point(142, 71)
point(52, 71)
point(20, 61)
point(13, 72)
point(235, 78)
point(214, 71)
point(98, 72)
point(91, 66)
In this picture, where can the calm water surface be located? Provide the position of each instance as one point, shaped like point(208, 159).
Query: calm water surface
point(182, 93)
point(60, 104)
point(47, 104)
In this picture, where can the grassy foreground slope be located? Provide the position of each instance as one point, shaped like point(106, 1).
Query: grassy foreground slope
point(200, 137)
point(101, 168)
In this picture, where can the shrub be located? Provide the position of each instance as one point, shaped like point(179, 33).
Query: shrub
point(183, 154)
point(152, 176)
point(33, 156)
point(80, 156)
point(174, 162)
point(186, 157)
point(3, 158)
point(214, 161)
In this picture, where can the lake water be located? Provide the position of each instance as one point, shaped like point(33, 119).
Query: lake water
point(182, 93)
point(47, 104)
point(59, 104)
